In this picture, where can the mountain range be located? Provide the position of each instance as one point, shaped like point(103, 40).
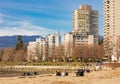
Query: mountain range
point(11, 41)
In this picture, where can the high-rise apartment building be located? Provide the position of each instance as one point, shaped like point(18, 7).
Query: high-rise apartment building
point(37, 50)
point(67, 39)
point(41, 48)
point(54, 39)
point(85, 22)
point(31, 51)
point(111, 28)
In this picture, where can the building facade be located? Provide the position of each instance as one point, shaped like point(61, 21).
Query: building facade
point(85, 22)
point(41, 48)
point(31, 51)
point(54, 39)
point(111, 28)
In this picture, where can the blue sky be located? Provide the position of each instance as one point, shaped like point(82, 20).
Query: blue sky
point(41, 17)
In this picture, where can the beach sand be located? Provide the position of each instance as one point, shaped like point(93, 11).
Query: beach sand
point(95, 77)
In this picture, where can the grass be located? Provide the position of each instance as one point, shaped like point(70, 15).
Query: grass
point(56, 64)
point(42, 63)
point(9, 63)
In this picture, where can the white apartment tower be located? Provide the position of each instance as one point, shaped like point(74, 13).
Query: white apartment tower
point(41, 48)
point(111, 28)
point(85, 22)
point(37, 50)
point(31, 51)
point(54, 39)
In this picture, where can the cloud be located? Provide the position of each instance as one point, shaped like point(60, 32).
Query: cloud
point(16, 27)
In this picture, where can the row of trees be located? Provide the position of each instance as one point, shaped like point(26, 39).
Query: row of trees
point(82, 53)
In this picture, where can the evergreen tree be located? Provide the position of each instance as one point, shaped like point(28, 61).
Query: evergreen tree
point(19, 45)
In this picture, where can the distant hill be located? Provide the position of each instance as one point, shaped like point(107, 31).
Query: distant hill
point(11, 41)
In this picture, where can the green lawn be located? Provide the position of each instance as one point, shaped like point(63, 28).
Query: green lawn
point(43, 63)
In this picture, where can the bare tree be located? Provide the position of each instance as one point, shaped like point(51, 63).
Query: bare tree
point(109, 45)
point(100, 51)
point(67, 49)
point(51, 53)
point(118, 48)
point(58, 54)
point(79, 52)
point(96, 52)
point(88, 53)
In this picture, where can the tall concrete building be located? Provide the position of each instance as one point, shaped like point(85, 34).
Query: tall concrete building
point(37, 50)
point(111, 28)
point(67, 39)
point(41, 48)
point(85, 22)
point(31, 51)
point(54, 39)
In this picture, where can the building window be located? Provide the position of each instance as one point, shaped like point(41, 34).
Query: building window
point(108, 2)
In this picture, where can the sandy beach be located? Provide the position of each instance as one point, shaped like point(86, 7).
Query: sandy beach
point(95, 77)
